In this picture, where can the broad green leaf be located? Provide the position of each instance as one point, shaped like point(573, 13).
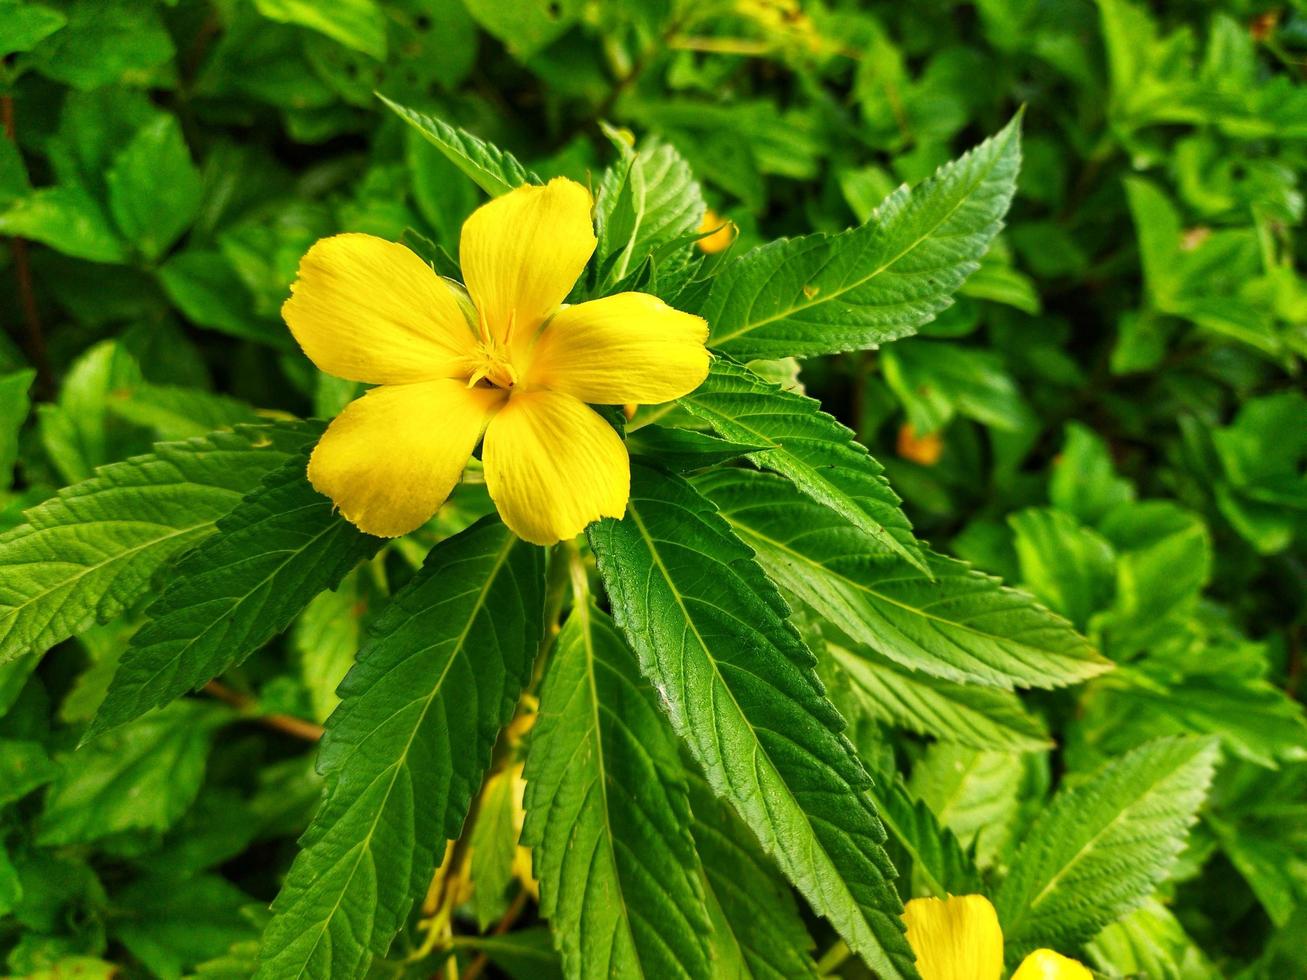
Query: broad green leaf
point(326, 636)
point(981, 717)
point(171, 923)
point(757, 931)
point(608, 815)
point(937, 859)
point(102, 42)
point(684, 450)
point(525, 26)
point(76, 431)
point(92, 551)
point(406, 750)
point(881, 281)
point(647, 199)
point(208, 292)
point(1150, 942)
point(66, 218)
point(961, 626)
point(935, 380)
point(357, 24)
point(13, 413)
point(974, 793)
point(1067, 566)
point(273, 553)
point(492, 846)
point(141, 777)
point(1083, 480)
point(712, 636)
point(154, 188)
point(25, 25)
point(173, 412)
point(24, 767)
point(809, 447)
point(490, 168)
point(1103, 845)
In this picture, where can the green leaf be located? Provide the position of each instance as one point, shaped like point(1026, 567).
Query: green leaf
point(357, 24)
point(685, 450)
point(154, 189)
point(25, 25)
point(174, 412)
point(757, 931)
point(981, 717)
point(1103, 845)
point(405, 751)
point(881, 281)
point(937, 857)
point(1067, 566)
point(608, 815)
point(809, 447)
point(92, 551)
point(935, 380)
point(24, 767)
point(1150, 942)
point(490, 168)
point(142, 777)
point(1083, 479)
point(646, 200)
point(712, 636)
point(492, 845)
point(105, 41)
point(974, 793)
point(66, 218)
point(209, 293)
point(326, 636)
point(525, 26)
point(273, 553)
point(13, 413)
point(171, 922)
point(962, 626)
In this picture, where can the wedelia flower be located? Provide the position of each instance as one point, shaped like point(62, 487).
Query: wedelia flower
point(959, 938)
point(498, 361)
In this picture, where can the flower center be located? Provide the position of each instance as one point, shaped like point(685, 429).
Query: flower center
point(491, 357)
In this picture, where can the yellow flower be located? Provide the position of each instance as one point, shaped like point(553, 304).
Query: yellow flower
point(723, 232)
point(959, 938)
point(501, 359)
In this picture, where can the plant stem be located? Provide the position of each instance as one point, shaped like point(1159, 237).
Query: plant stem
point(248, 706)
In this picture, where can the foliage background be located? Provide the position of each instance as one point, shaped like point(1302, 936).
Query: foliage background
point(1112, 415)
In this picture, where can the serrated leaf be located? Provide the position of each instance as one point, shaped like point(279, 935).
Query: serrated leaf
point(1103, 845)
point(963, 626)
point(936, 855)
point(974, 793)
point(607, 815)
point(273, 553)
point(807, 446)
point(981, 717)
point(822, 293)
point(406, 750)
point(712, 636)
point(646, 200)
point(89, 553)
point(490, 168)
point(757, 931)
point(684, 450)
point(142, 777)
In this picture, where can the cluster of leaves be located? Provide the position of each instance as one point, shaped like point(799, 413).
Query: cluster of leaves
point(731, 733)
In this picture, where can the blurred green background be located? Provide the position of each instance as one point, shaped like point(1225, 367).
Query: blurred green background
point(1137, 334)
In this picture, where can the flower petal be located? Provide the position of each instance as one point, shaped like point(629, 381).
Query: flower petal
point(522, 253)
point(1044, 964)
point(955, 938)
point(631, 347)
point(393, 456)
point(366, 309)
point(553, 465)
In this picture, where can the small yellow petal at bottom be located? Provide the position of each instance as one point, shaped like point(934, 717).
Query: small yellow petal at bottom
point(553, 465)
point(630, 347)
point(1044, 964)
point(369, 310)
point(391, 458)
point(955, 938)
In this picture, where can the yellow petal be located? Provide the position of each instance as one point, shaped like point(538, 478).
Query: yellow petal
point(1044, 964)
point(630, 347)
point(393, 456)
point(370, 310)
point(522, 253)
point(552, 466)
point(955, 938)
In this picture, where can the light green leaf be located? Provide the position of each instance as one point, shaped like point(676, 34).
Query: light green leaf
point(608, 815)
point(25, 25)
point(66, 218)
point(935, 380)
point(936, 856)
point(173, 412)
point(490, 168)
point(357, 24)
point(1067, 566)
point(525, 26)
point(92, 551)
point(1083, 480)
point(974, 793)
point(962, 626)
point(712, 636)
point(757, 931)
point(105, 41)
point(405, 751)
point(142, 777)
point(326, 636)
point(492, 846)
point(1103, 845)
point(809, 447)
point(881, 281)
point(1150, 942)
point(154, 188)
point(274, 552)
point(24, 766)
